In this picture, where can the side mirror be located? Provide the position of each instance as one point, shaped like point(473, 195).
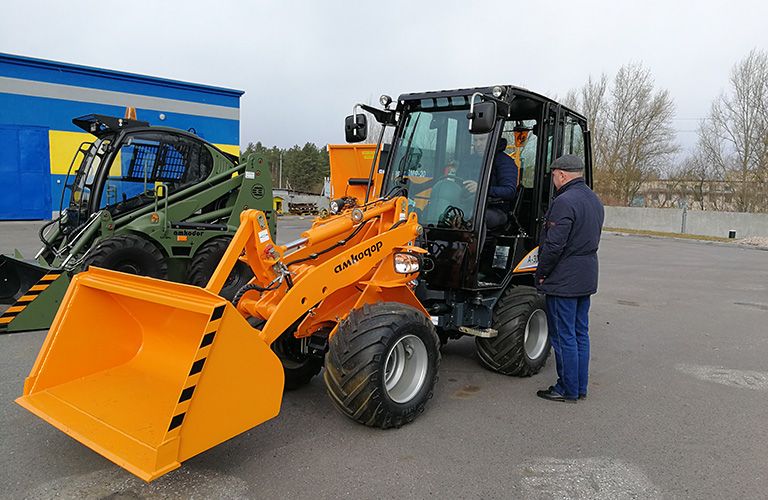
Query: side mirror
point(356, 128)
point(482, 117)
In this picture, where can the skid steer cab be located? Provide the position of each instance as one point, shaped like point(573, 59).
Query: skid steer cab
point(140, 199)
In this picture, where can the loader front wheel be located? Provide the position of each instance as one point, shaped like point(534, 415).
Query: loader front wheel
point(204, 264)
point(382, 364)
point(128, 253)
point(522, 345)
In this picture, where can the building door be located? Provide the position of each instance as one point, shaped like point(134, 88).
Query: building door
point(25, 173)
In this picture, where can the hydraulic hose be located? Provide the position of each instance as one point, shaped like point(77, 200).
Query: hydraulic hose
point(332, 247)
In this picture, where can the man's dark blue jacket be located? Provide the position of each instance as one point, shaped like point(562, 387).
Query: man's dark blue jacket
point(569, 241)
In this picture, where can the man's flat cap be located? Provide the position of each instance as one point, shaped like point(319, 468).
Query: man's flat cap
point(569, 163)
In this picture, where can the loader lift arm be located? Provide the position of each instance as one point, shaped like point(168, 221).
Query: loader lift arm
point(289, 290)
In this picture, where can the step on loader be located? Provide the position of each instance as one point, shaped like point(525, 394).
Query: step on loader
point(403, 262)
point(146, 200)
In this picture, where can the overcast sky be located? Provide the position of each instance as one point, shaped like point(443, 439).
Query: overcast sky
point(303, 64)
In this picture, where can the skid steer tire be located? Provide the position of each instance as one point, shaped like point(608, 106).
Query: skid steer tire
point(204, 264)
point(299, 368)
point(522, 346)
point(128, 253)
point(382, 364)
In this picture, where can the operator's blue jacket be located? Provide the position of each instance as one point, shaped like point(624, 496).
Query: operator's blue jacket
point(503, 177)
point(569, 241)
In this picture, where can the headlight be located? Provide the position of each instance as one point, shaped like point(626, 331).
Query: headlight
point(406, 263)
point(497, 91)
point(334, 206)
point(384, 100)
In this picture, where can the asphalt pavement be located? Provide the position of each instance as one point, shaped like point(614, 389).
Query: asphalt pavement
point(676, 408)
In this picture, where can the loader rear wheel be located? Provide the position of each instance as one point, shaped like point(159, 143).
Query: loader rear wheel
point(128, 253)
point(382, 364)
point(204, 264)
point(299, 367)
point(522, 346)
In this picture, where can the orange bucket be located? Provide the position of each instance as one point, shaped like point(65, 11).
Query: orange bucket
point(149, 373)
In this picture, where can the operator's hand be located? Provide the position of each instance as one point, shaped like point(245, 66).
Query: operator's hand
point(470, 186)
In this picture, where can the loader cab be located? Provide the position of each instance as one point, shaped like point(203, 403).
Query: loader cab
point(435, 157)
point(128, 166)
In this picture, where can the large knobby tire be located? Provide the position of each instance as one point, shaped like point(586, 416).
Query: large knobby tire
point(205, 261)
point(299, 367)
point(382, 363)
point(128, 253)
point(522, 346)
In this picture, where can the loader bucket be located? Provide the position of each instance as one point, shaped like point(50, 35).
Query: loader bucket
point(16, 277)
point(149, 373)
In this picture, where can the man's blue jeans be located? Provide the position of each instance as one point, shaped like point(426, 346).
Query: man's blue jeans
point(568, 319)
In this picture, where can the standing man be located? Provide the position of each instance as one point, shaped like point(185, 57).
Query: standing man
point(567, 275)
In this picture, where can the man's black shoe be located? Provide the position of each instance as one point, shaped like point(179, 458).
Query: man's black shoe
point(551, 395)
point(582, 396)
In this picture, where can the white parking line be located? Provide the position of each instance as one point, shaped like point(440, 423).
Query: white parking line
point(734, 378)
point(600, 478)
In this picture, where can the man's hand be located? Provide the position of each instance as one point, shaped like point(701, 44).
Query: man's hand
point(541, 280)
point(470, 186)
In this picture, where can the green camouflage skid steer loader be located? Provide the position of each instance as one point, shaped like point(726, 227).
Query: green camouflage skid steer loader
point(146, 200)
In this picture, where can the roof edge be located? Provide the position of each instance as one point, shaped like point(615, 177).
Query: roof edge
point(115, 74)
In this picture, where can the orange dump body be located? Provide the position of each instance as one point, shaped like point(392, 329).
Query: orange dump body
point(350, 167)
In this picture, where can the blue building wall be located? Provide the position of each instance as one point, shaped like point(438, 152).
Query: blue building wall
point(39, 98)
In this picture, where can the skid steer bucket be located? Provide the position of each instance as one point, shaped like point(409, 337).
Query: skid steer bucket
point(149, 373)
point(36, 307)
point(16, 277)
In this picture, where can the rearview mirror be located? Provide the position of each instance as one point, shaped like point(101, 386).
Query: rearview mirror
point(482, 117)
point(356, 128)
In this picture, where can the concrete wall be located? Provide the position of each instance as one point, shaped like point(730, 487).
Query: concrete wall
point(696, 222)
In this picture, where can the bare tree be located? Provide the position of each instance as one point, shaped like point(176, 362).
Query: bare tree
point(699, 180)
point(734, 137)
point(632, 135)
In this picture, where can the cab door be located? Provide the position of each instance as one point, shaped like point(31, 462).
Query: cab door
point(576, 142)
point(549, 149)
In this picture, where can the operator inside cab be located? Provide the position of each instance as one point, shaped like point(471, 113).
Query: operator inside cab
point(503, 184)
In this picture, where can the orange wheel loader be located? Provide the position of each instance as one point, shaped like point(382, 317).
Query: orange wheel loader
point(150, 373)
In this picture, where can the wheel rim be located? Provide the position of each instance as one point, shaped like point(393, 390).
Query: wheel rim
point(405, 369)
point(536, 334)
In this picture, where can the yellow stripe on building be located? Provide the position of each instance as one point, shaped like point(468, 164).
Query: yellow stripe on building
point(63, 146)
point(229, 148)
